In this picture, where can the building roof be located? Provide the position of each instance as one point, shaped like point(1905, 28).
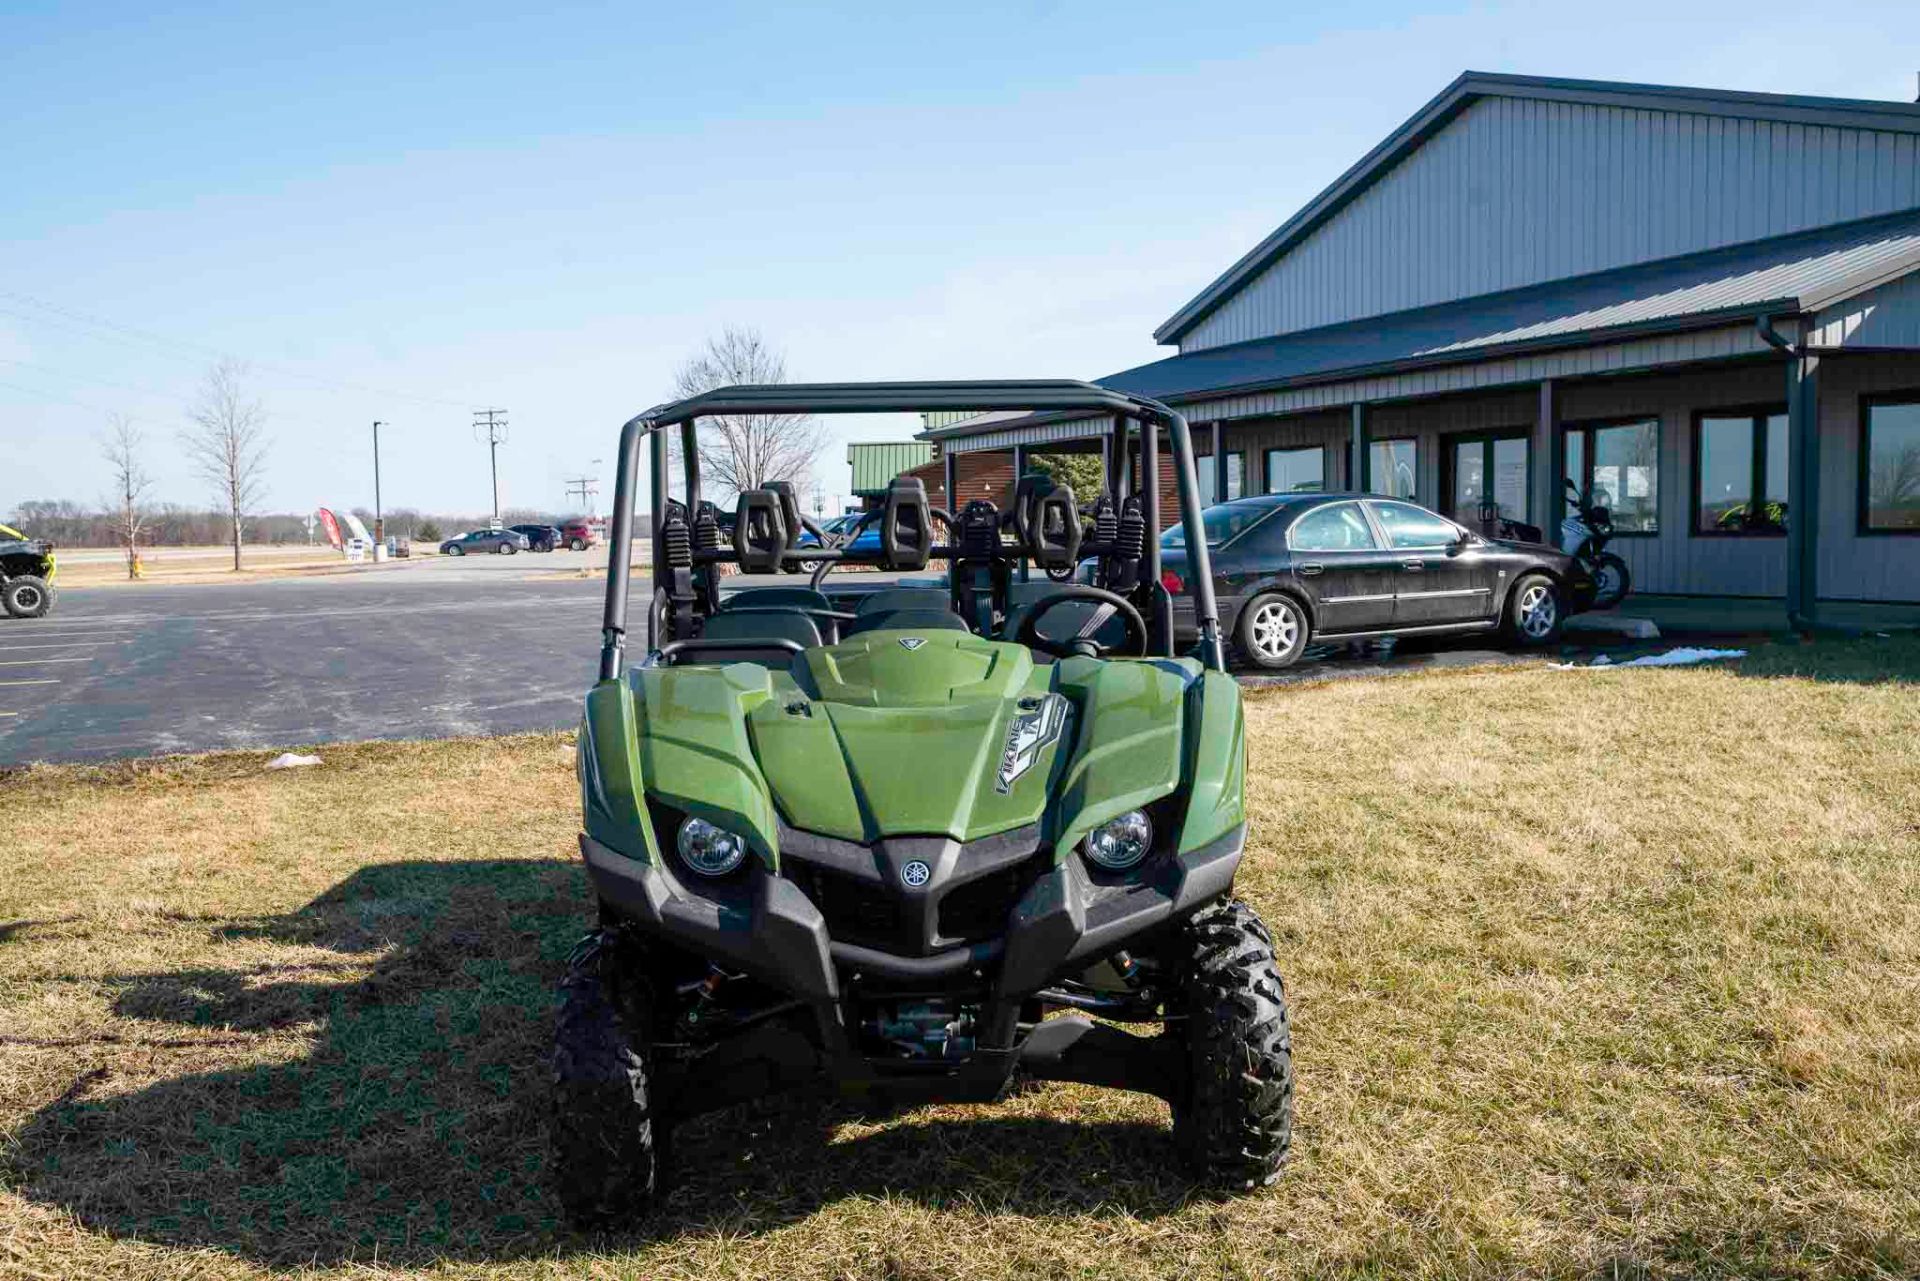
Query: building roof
point(1786, 275)
point(1470, 87)
point(875, 465)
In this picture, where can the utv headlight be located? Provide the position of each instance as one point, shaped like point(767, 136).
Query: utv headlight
point(1119, 843)
point(709, 850)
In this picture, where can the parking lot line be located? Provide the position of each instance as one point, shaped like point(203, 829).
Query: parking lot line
point(35, 662)
point(8, 649)
point(45, 681)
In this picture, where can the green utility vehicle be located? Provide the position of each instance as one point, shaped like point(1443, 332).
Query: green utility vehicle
point(914, 840)
point(27, 570)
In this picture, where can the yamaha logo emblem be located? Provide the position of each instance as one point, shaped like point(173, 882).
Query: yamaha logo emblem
point(916, 874)
point(912, 642)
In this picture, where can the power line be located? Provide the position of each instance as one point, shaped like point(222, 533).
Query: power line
point(586, 489)
point(200, 351)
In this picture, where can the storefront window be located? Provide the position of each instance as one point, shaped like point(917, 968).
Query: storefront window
point(1738, 457)
point(1890, 498)
point(1618, 466)
point(1296, 471)
point(1236, 479)
point(1390, 468)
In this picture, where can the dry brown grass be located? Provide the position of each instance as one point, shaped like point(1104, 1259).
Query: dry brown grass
point(1595, 973)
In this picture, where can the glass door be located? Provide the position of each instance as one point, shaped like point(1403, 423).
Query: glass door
point(1489, 478)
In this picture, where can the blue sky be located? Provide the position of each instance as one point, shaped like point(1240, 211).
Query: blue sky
point(401, 213)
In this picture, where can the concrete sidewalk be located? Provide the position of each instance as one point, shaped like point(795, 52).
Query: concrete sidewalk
point(1721, 616)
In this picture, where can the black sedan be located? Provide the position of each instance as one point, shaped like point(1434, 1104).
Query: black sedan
point(1290, 568)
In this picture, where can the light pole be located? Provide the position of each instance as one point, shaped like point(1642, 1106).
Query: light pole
point(379, 525)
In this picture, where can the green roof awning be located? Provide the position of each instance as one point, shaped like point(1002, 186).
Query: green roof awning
point(875, 465)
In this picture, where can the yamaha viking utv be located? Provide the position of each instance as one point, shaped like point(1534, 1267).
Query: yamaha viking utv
point(909, 841)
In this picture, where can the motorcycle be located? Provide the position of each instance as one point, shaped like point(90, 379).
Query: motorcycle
point(1583, 535)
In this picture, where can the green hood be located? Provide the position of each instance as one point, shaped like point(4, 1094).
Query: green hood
point(894, 733)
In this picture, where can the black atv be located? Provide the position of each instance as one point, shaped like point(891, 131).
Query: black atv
point(27, 570)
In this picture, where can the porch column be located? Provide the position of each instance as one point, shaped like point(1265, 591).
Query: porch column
point(950, 468)
point(1803, 489)
point(1549, 460)
point(1359, 465)
point(1219, 462)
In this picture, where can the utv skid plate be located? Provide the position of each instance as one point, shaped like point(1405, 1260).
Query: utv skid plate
point(1063, 924)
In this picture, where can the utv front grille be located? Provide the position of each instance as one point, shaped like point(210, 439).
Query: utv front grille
point(863, 895)
point(856, 910)
point(978, 909)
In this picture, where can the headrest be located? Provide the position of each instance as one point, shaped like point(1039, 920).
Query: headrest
point(906, 525)
point(789, 508)
point(1048, 521)
point(760, 534)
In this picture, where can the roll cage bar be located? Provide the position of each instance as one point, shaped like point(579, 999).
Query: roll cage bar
point(1129, 412)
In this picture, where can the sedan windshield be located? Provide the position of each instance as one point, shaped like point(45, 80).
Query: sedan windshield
point(1223, 523)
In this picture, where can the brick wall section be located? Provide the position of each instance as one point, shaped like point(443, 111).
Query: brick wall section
point(981, 475)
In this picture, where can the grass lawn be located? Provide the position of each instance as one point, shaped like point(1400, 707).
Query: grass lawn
point(1594, 973)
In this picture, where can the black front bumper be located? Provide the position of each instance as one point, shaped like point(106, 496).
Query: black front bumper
point(1063, 922)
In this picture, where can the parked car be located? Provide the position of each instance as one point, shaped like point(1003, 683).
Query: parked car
point(540, 538)
point(503, 542)
point(1291, 568)
point(576, 535)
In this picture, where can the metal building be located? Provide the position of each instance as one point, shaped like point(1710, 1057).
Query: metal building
point(1705, 305)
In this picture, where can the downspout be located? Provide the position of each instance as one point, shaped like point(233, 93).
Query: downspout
point(1803, 426)
point(1773, 337)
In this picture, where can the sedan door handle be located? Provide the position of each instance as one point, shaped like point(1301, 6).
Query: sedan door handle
point(1311, 568)
point(1415, 565)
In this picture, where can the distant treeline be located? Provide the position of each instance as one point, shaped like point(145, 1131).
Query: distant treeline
point(70, 524)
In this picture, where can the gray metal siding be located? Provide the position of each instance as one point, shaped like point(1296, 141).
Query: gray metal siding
point(1520, 191)
point(1611, 358)
point(1852, 567)
point(1885, 317)
point(1675, 560)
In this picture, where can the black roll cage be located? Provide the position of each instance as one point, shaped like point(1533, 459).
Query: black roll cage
point(1130, 414)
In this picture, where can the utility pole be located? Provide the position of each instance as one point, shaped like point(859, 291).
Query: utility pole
point(490, 425)
point(379, 525)
point(585, 489)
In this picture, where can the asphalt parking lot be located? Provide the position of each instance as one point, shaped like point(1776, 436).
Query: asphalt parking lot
point(489, 645)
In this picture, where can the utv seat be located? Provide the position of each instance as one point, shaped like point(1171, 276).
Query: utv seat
point(893, 598)
point(912, 620)
point(760, 597)
point(770, 638)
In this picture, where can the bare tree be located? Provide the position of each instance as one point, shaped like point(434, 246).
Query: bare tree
point(745, 451)
point(127, 506)
point(227, 444)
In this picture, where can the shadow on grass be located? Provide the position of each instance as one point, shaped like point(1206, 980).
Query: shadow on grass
point(416, 1126)
point(1893, 659)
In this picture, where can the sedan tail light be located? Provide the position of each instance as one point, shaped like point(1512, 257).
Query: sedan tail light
point(1172, 582)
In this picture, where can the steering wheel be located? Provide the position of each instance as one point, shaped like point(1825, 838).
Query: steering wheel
point(1083, 644)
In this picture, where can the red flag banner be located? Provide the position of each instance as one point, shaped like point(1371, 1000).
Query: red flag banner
point(330, 525)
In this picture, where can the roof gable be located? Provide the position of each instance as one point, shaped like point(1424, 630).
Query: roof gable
point(1505, 181)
